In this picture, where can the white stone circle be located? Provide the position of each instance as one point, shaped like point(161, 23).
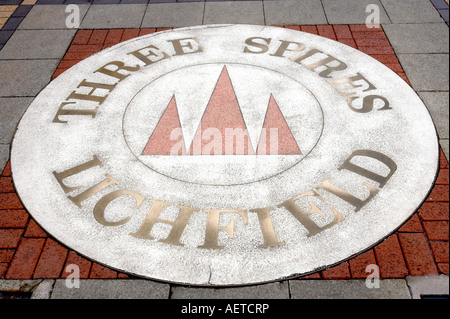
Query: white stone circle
point(369, 157)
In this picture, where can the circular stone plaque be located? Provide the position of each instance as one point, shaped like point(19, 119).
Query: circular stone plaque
point(224, 155)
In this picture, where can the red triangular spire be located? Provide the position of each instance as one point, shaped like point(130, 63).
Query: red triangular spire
point(276, 137)
point(222, 129)
point(167, 138)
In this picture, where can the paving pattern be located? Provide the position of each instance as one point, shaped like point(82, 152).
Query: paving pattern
point(413, 42)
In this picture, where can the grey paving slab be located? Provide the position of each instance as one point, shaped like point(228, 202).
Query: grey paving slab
point(114, 16)
point(426, 72)
point(348, 289)
point(445, 147)
point(11, 110)
point(276, 290)
point(12, 23)
point(37, 44)
point(351, 11)
point(428, 285)
point(49, 17)
point(248, 12)
point(173, 14)
point(111, 289)
point(438, 105)
point(4, 155)
point(411, 11)
point(25, 77)
point(295, 12)
point(418, 38)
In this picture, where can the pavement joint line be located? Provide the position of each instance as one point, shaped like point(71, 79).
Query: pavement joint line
point(264, 18)
point(441, 6)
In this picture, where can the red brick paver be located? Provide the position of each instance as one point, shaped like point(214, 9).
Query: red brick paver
point(340, 271)
point(84, 266)
point(419, 247)
point(52, 260)
point(25, 259)
point(358, 265)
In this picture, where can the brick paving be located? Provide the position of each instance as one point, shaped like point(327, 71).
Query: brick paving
point(420, 247)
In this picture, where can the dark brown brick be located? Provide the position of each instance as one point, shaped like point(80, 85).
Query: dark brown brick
point(51, 261)
point(13, 218)
point(10, 238)
point(340, 271)
point(434, 211)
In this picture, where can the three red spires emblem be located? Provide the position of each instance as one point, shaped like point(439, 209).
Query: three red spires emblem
point(222, 130)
